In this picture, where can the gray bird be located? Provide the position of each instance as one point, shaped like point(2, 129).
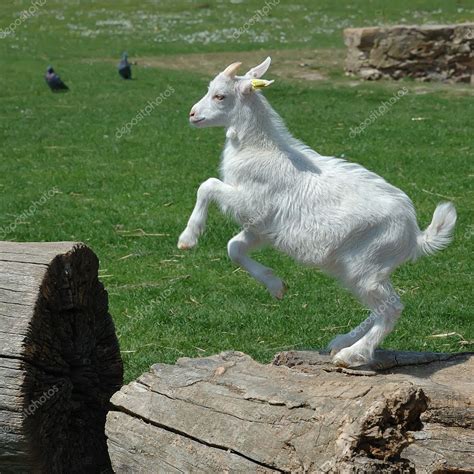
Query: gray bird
point(54, 81)
point(124, 67)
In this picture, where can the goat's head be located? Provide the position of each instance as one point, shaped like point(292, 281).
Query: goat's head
point(226, 92)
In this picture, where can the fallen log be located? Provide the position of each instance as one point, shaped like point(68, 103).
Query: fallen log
point(445, 442)
point(59, 359)
point(228, 413)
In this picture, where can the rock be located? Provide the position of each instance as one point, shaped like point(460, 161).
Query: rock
point(370, 74)
point(427, 53)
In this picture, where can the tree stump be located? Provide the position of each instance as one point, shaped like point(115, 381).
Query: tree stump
point(228, 413)
point(59, 359)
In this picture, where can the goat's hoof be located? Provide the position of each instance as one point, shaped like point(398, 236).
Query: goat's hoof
point(348, 357)
point(340, 342)
point(186, 240)
point(340, 363)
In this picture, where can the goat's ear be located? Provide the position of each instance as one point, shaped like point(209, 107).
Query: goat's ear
point(247, 86)
point(258, 71)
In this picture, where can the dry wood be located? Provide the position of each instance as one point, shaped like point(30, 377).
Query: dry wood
point(446, 441)
point(59, 359)
point(228, 413)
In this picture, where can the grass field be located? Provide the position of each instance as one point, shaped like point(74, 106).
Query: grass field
point(130, 197)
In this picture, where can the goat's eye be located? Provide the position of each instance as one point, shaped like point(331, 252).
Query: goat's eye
point(219, 97)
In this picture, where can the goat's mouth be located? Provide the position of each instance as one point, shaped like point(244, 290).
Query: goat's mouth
point(196, 121)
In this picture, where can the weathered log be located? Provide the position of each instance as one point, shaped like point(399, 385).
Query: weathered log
point(230, 413)
point(59, 359)
point(445, 442)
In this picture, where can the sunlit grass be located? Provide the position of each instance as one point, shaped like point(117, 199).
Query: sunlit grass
point(168, 304)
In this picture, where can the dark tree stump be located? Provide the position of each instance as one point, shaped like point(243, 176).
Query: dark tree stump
point(59, 359)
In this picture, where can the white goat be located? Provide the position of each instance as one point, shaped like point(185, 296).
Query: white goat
point(320, 210)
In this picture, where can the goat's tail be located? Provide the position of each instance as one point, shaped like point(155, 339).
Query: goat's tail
point(439, 233)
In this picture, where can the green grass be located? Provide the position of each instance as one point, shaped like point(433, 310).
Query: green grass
point(168, 304)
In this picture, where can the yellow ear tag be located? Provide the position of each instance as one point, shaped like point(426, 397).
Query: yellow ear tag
point(260, 83)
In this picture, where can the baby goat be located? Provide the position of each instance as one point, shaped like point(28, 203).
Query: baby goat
point(320, 210)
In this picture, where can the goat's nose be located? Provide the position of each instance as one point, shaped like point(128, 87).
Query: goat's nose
point(192, 113)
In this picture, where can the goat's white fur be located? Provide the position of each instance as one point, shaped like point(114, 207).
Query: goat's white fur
point(320, 210)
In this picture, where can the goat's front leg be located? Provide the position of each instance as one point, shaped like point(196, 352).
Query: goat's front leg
point(239, 246)
point(212, 189)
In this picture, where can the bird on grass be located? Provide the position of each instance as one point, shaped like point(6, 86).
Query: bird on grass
point(124, 67)
point(54, 81)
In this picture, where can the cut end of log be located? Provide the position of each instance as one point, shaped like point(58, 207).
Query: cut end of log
point(59, 349)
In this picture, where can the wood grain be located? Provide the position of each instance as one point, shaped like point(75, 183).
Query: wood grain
point(59, 359)
point(228, 413)
point(445, 442)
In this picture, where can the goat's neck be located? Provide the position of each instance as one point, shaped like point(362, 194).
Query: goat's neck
point(257, 125)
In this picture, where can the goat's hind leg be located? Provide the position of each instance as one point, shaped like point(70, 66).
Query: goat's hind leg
point(386, 309)
point(239, 246)
point(346, 340)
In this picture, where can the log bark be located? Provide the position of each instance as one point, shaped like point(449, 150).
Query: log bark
point(445, 442)
point(228, 413)
point(59, 359)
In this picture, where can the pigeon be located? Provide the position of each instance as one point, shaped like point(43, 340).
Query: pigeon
point(54, 81)
point(124, 67)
